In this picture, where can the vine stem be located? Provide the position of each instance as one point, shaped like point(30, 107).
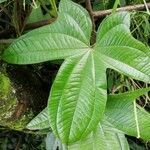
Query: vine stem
point(147, 9)
point(136, 119)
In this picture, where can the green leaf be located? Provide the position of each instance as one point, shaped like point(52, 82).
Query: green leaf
point(54, 41)
point(1, 1)
point(75, 96)
point(79, 14)
point(105, 137)
point(120, 51)
point(129, 96)
point(37, 15)
point(44, 47)
point(40, 121)
point(78, 96)
point(111, 22)
point(117, 2)
point(120, 113)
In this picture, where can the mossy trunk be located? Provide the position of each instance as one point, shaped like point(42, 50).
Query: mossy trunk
point(11, 114)
point(21, 97)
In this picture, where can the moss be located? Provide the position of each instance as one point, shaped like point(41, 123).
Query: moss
point(7, 97)
point(21, 123)
point(9, 106)
point(4, 86)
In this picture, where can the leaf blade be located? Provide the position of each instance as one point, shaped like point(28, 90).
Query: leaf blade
point(78, 99)
point(79, 14)
point(110, 22)
point(46, 47)
point(104, 137)
point(120, 51)
point(123, 114)
point(40, 121)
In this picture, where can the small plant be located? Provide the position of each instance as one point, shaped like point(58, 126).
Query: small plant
point(76, 110)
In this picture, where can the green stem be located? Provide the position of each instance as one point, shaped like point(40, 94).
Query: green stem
point(136, 120)
point(147, 9)
point(54, 7)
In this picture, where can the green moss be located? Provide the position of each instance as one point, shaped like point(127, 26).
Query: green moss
point(21, 123)
point(4, 85)
point(7, 97)
point(8, 103)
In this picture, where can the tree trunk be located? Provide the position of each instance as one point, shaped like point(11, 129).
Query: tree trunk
point(22, 96)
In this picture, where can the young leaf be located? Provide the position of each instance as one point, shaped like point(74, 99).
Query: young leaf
point(78, 96)
point(120, 113)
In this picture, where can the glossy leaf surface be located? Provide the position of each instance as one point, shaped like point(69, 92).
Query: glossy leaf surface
point(76, 99)
point(120, 113)
point(105, 137)
point(40, 121)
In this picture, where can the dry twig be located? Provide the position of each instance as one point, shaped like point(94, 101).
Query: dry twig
point(98, 14)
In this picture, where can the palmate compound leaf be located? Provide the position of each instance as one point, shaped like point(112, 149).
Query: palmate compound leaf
point(78, 95)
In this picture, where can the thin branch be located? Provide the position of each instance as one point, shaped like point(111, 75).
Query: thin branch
point(98, 14)
point(147, 9)
point(29, 26)
point(39, 23)
point(6, 41)
point(6, 33)
point(3, 9)
point(89, 9)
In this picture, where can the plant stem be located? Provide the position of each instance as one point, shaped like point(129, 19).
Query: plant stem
point(147, 9)
point(90, 10)
point(136, 120)
point(54, 7)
